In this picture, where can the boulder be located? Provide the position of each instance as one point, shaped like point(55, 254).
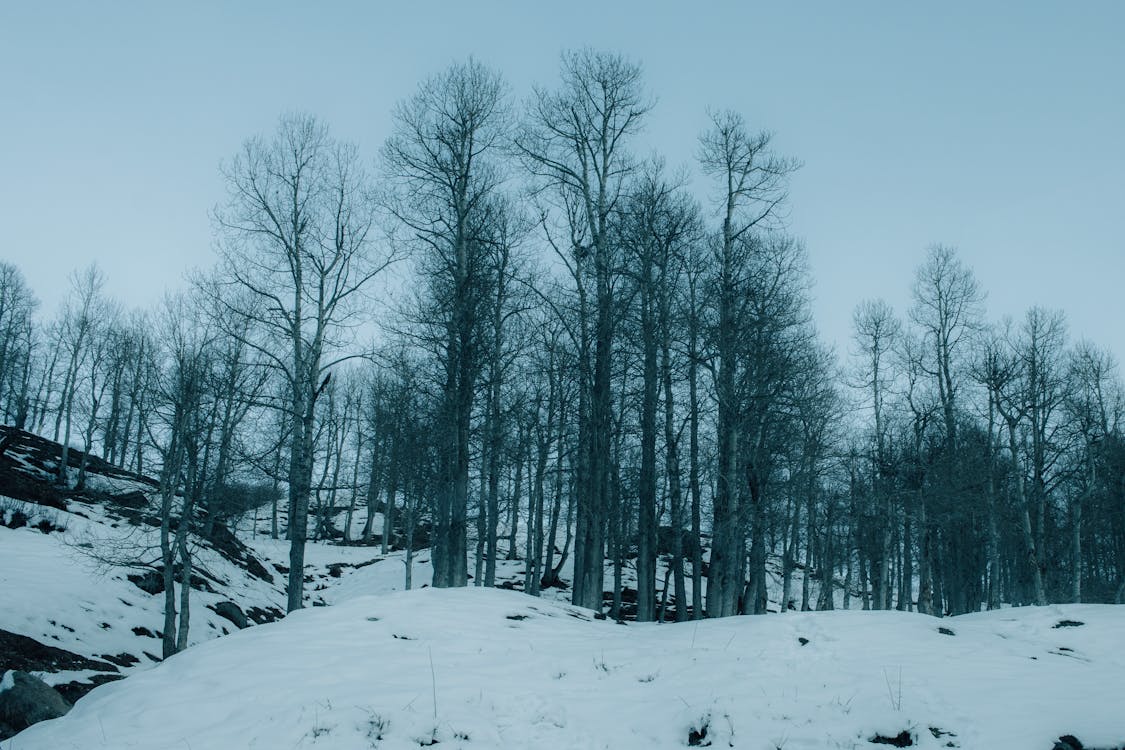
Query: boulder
point(25, 700)
point(232, 612)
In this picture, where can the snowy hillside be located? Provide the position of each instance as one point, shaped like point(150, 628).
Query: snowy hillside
point(482, 668)
point(486, 668)
point(80, 596)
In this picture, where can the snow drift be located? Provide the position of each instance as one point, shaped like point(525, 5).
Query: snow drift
point(484, 668)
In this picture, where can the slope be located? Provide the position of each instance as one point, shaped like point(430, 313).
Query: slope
point(481, 668)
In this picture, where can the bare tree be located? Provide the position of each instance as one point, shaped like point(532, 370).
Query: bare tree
point(1091, 407)
point(751, 187)
point(575, 143)
point(180, 393)
point(659, 220)
point(296, 244)
point(1025, 377)
point(441, 159)
point(876, 330)
point(17, 342)
point(948, 310)
point(77, 327)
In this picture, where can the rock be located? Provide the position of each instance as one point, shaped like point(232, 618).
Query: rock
point(27, 700)
point(134, 499)
point(150, 582)
point(232, 612)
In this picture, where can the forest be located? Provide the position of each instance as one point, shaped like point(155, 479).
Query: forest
point(515, 335)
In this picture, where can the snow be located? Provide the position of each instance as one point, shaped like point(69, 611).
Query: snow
point(484, 668)
point(53, 590)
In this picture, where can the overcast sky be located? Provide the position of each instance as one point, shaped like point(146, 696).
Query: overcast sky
point(998, 128)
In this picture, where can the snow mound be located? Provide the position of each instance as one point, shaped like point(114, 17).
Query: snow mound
point(484, 668)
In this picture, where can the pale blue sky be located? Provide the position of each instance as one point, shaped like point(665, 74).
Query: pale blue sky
point(995, 127)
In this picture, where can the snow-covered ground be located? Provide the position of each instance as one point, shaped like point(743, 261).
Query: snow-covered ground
point(62, 589)
point(483, 668)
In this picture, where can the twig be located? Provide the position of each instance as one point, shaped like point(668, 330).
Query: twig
point(433, 680)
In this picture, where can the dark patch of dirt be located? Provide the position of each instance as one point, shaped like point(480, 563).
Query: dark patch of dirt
point(122, 660)
point(1069, 742)
point(29, 655)
point(902, 739)
point(517, 617)
point(1068, 624)
point(72, 691)
point(135, 499)
point(17, 520)
point(698, 737)
point(37, 483)
point(149, 582)
point(46, 526)
point(229, 546)
point(945, 631)
point(803, 641)
point(261, 616)
point(152, 581)
point(16, 484)
point(143, 632)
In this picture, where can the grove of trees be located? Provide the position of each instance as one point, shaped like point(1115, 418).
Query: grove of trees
point(514, 336)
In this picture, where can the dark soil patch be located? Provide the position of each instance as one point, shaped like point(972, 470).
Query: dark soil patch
point(122, 660)
point(17, 520)
point(37, 483)
point(152, 581)
point(1070, 742)
point(149, 582)
point(945, 631)
point(261, 616)
point(46, 526)
point(72, 691)
point(1068, 624)
point(17, 484)
point(228, 545)
point(29, 655)
point(135, 499)
point(902, 739)
point(698, 737)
